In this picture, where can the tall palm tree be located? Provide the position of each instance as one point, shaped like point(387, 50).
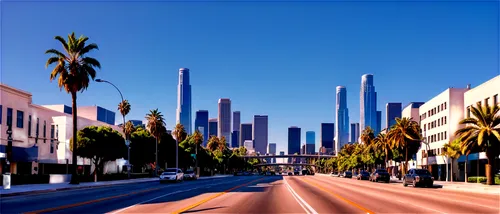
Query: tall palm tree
point(213, 143)
point(367, 136)
point(124, 108)
point(452, 151)
point(482, 131)
point(222, 144)
point(73, 71)
point(156, 126)
point(404, 133)
point(198, 139)
point(128, 129)
point(383, 144)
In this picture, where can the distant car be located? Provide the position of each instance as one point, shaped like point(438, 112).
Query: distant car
point(418, 177)
point(363, 175)
point(172, 175)
point(290, 173)
point(190, 175)
point(347, 174)
point(380, 175)
point(297, 172)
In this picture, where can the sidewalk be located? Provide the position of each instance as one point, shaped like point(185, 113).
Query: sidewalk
point(44, 188)
point(462, 186)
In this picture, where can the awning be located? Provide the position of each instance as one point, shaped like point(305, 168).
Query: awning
point(21, 154)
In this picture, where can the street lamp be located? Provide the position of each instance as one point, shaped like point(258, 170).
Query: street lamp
point(127, 142)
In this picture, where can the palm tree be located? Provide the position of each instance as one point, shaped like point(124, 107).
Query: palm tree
point(128, 129)
point(198, 139)
point(73, 71)
point(383, 144)
point(452, 151)
point(222, 144)
point(156, 126)
point(482, 131)
point(213, 143)
point(367, 136)
point(180, 133)
point(124, 108)
point(404, 134)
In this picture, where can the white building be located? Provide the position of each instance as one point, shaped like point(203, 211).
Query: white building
point(41, 134)
point(439, 118)
point(412, 111)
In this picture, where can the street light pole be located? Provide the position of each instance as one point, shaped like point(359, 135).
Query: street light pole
point(127, 143)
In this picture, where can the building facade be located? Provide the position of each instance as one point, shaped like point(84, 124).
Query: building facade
point(379, 122)
point(293, 140)
point(327, 135)
point(272, 151)
point(368, 104)
point(342, 117)
point(310, 142)
point(246, 133)
point(95, 113)
point(213, 127)
point(354, 132)
point(224, 120)
point(184, 100)
point(235, 135)
point(201, 124)
point(412, 111)
point(260, 133)
point(392, 111)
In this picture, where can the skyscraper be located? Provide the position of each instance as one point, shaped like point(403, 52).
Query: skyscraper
point(310, 142)
point(392, 111)
point(342, 117)
point(354, 132)
point(368, 104)
point(293, 140)
point(260, 133)
point(224, 119)
point(272, 151)
point(379, 122)
point(246, 133)
point(184, 100)
point(201, 124)
point(327, 136)
point(235, 135)
point(212, 127)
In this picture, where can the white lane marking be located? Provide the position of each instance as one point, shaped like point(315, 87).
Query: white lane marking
point(171, 193)
point(299, 199)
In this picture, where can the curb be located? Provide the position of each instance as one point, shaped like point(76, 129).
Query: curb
point(85, 187)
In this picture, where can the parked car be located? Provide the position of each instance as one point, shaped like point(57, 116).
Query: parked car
point(290, 173)
point(347, 174)
point(172, 175)
point(418, 177)
point(363, 175)
point(190, 175)
point(296, 172)
point(380, 175)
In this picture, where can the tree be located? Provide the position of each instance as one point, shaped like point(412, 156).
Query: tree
point(482, 132)
point(124, 108)
point(128, 129)
point(142, 147)
point(383, 144)
point(452, 151)
point(367, 135)
point(180, 133)
point(156, 126)
point(73, 71)
point(100, 144)
point(405, 134)
point(213, 143)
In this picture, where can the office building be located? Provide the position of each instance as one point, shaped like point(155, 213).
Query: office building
point(342, 117)
point(412, 111)
point(293, 141)
point(224, 120)
point(97, 113)
point(392, 111)
point(246, 133)
point(184, 100)
point(235, 139)
point(235, 135)
point(213, 127)
point(439, 121)
point(272, 151)
point(201, 124)
point(379, 122)
point(310, 142)
point(327, 136)
point(260, 133)
point(368, 104)
point(354, 132)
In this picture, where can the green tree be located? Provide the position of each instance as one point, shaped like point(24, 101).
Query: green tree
point(179, 133)
point(405, 134)
point(100, 144)
point(452, 151)
point(124, 108)
point(482, 132)
point(128, 129)
point(213, 143)
point(367, 135)
point(73, 71)
point(142, 148)
point(382, 143)
point(156, 126)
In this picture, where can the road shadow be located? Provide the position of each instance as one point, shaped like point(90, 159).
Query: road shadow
point(201, 210)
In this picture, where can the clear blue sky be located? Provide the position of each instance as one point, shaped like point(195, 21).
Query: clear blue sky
point(283, 59)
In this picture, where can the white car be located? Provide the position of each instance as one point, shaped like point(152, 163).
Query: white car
point(172, 175)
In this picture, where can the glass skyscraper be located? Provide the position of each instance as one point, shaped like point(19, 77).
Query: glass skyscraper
point(224, 120)
point(342, 117)
point(184, 100)
point(246, 133)
point(235, 135)
point(260, 133)
point(201, 124)
point(310, 142)
point(327, 136)
point(368, 104)
point(293, 141)
point(379, 122)
point(392, 111)
point(212, 127)
point(354, 132)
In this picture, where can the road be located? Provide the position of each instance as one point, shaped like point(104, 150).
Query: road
point(256, 194)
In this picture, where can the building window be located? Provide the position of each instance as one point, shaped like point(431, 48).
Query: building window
point(445, 136)
point(487, 101)
point(439, 137)
point(9, 116)
point(429, 139)
point(444, 119)
point(52, 130)
point(439, 122)
point(37, 129)
point(468, 111)
point(425, 127)
point(1, 111)
point(444, 105)
point(44, 131)
point(20, 119)
point(29, 125)
point(57, 132)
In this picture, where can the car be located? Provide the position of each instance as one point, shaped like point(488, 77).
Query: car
point(296, 172)
point(190, 175)
point(347, 174)
point(380, 175)
point(290, 174)
point(268, 173)
point(363, 175)
point(171, 175)
point(418, 177)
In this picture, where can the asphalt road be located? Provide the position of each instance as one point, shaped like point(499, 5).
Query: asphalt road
point(256, 194)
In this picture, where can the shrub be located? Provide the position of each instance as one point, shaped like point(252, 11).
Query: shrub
point(474, 179)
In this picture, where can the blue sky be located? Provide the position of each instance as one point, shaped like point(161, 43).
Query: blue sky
point(283, 59)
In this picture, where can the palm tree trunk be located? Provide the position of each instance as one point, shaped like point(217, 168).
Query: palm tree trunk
point(74, 174)
point(447, 173)
point(466, 161)
point(489, 169)
point(451, 170)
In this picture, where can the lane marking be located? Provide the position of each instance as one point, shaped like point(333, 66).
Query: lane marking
point(299, 199)
point(171, 193)
point(338, 196)
point(213, 197)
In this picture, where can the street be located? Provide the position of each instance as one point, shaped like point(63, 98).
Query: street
point(256, 194)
